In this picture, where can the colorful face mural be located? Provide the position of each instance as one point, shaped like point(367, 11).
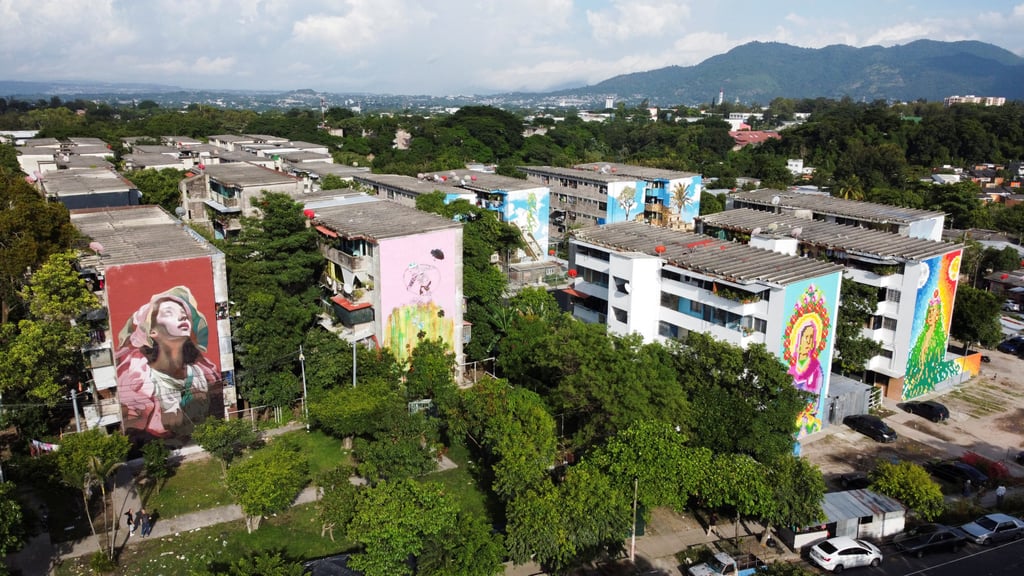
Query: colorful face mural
point(929, 336)
point(807, 344)
point(418, 290)
point(166, 346)
point(528, 210)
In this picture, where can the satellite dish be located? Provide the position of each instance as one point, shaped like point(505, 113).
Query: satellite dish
point(795, 232)
point(776, 200)
point(96, 247)
point(625, 287)
point(773, 227)
point(755, 231)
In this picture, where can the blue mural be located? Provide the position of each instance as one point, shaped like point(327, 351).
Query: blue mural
point(528, 210)
point(625, 203)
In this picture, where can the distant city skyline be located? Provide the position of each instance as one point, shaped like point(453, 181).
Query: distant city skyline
point(445, 47)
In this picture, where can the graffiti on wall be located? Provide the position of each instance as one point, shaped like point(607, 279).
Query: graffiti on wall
point(807, 345)
point(685, 201)
point(625, 203)
point(166, 346)
point(418, 290)
point(929, 336)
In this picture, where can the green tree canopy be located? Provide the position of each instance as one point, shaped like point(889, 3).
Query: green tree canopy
point(225, 439)
point(910, 484)
point(857, 305)
point(268, 481)
point(12, 531)
point(976, 317)
point(159, 187)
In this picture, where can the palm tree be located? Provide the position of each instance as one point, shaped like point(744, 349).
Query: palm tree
point(681, 198)
point(100, 471)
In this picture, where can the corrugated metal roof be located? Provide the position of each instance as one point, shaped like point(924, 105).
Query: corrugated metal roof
point(830, 205)
point(728, 260)
point(858, 504)
point(135, 234)
point(852, 239)
point(366, 217)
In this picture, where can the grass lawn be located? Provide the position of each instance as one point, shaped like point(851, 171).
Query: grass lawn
point(461, 484)
point(195, 485)
point(295, 534)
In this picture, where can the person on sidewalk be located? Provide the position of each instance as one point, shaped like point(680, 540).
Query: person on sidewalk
point(138, 519)
point(130, 519)
point(1000, 495)
point(147, 526)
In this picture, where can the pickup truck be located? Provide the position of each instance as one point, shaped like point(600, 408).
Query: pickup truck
point(725, 565)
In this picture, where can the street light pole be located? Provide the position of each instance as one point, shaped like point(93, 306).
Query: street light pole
point(632, 545)
point(305, 407)
point(353, 362)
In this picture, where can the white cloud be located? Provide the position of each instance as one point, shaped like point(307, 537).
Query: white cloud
point(638, 21)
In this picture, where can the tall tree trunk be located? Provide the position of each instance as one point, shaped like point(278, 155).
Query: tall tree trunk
point(88, 514)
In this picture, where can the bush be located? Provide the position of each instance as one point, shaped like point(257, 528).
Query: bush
point(100, 562)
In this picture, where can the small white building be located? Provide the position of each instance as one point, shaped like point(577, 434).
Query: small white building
point(853, 513)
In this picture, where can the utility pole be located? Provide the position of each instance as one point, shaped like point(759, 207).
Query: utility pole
point(632, 545)
point(74, 403)
point(305, 408)
point(354, 361)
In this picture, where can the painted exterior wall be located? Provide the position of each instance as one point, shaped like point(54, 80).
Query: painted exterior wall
point(625, 201)
point(682, 196)
point(420, 285)
point(936, 280)
point(639, 296)
point(529, 210)
point(808, 341)
point(155, 404)
point(930, 229)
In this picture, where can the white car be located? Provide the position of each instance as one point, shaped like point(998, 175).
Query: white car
point(842, 552)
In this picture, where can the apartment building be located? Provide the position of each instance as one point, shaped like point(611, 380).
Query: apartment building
point(909, 222)
point(220, 195)
point(605, 193)
point(915, 279)
point(663, 284)
point(522, 203)
point(393, 275)
point(88, 188)
point(137, 259)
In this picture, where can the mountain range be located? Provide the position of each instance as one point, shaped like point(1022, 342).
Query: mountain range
point(756, 72)
point(760, 71)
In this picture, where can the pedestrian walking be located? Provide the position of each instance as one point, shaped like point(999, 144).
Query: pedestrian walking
point(130, 520)
point(147, 526)
point(1000, 494)
point(138, 520)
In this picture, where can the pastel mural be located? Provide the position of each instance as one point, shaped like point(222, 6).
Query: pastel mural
point(929, 336)
point(807, 343)
point(418, 290)
point(528, 210)
point(625, 202)
point(685, 201)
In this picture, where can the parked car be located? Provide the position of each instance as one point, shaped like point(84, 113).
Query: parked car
point(930, 409)
point(957, 472)
point(871, 426)
point(929, 538)
point(993, 528)
point(854, 480)
point(1011, 345)
point(842, 552)
point(1020, 458)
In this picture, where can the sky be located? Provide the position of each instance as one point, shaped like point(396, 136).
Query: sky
point(447, 47)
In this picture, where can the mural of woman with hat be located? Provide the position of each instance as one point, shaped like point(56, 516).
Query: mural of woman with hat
point(163, 375)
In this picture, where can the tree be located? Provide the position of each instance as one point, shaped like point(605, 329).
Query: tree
point(468, 548)
point(12, 532)
point(910, 484)
point(358, 411)
point(403, 448)
point(799, 489)
point(394, 521)
point(976, 316)
point(335, 182)
point(337, 502)
point(155, 463)
point(857, 304)
point(159, 187)
point(225, 439)
point(88, 458)
point(431, 373)
point(742, 400)
point(100, 471)
point(267, 482)
point(33, 229)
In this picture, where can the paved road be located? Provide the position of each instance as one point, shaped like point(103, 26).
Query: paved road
point(1004, 560)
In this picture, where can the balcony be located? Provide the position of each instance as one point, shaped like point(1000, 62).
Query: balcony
point(353, 263)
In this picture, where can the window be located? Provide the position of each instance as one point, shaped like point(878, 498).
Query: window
point(886, 354)
point(621, 285)
point(620, 315)
point(892, 295)
point(670, 301)
point(873, 323)
point(889, 323)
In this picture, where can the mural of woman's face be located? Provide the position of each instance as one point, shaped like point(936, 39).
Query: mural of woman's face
point(807, 342)
point(170, 322)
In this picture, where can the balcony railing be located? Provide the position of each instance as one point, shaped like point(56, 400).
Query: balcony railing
point(354, 263)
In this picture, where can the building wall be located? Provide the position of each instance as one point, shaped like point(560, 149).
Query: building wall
point(681, 196)
point(930, 229)
point(634, 287)
point(936, 281)
point(529, 210)
point(420, 283)
point(133, 291)
point(807, 343)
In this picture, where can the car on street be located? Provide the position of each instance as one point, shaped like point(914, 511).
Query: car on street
point(929, 409)
point(871, 426)
point(1011, 345)
point(994, 528)
point(842, 552)
point(957, 472)
point(930, 538)
point(854, 480)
